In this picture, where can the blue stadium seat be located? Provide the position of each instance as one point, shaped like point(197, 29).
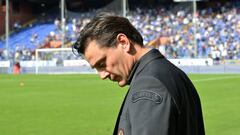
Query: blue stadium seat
point(1, 44)
point(22, 39)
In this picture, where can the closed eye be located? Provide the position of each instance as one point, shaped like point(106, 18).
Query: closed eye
point(101, 64)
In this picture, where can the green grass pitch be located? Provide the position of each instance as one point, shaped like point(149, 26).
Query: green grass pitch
point(85, 105)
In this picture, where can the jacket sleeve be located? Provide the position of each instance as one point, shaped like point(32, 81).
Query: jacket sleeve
point(149, 108)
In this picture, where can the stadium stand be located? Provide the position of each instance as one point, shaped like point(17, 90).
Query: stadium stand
point(176, 25)
point(212, 29)
point(168, 28)
point(22, 40)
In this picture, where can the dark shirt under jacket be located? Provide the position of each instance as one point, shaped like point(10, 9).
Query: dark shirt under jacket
point(161, 100)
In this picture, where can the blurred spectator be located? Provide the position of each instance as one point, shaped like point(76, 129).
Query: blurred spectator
point(17, 68)
point(17, 26)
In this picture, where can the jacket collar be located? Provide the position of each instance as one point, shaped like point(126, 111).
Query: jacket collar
point(144, 60)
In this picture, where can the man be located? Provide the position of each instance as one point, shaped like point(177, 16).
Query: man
point(161, 99)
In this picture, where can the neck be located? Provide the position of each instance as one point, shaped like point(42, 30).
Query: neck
point(140, 52)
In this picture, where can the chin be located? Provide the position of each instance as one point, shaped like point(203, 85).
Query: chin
point(122, 83)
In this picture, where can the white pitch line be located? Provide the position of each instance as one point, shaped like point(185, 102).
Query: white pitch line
point(215, 78)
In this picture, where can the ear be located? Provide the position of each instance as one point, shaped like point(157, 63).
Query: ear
point(123, 42)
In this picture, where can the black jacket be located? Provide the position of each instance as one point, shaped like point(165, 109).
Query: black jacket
point(161, 100)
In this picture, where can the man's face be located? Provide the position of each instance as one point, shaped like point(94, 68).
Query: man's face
point(113, 63)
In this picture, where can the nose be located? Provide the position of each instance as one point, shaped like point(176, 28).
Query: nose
point(103, 74)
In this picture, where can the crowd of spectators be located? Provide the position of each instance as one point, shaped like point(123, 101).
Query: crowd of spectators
point(217, 32)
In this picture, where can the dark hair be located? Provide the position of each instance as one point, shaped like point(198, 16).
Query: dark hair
point(104, 29)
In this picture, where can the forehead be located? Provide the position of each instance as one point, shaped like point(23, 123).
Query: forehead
point(93, 52)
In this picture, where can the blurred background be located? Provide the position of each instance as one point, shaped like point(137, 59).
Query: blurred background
point(199, 36)
point(202, 37)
